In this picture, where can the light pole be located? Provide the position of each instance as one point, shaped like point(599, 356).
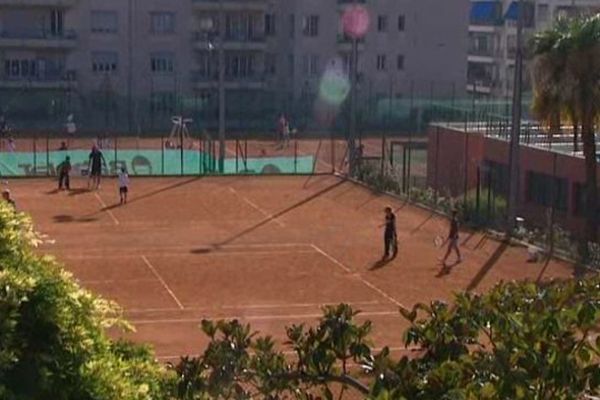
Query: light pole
point(222, 102)
point(513, 194)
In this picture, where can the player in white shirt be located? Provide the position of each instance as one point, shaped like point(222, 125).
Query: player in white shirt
point(123, 185)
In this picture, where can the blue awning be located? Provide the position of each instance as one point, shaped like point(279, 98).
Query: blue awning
point(513, 11)
point(483, 10)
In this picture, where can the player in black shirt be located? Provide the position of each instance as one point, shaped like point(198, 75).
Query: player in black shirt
point(453, 238)
point(389, 235)
point(95, 167)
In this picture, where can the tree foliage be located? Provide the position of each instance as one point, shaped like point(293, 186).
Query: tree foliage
point(519, 341)
point(53, 343)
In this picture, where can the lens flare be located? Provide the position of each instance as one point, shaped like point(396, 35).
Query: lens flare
point(334, 86)
point(356, 21)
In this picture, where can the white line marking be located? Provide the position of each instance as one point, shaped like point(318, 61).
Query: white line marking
point(253, 318)
point(363, 280)
point(180, 254)
point(250, 307)
point(162, 281)
point(108, 211)
point(115, 281)
point(257, 208)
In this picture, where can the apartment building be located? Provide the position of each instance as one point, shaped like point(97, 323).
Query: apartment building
point(493, 39)
point(144, 60)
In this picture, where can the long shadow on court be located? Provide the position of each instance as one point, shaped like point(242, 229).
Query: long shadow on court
point(280, 213)
point(154, 193)
point(489, 264)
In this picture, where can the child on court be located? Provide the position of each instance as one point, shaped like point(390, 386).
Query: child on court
point(123, 185)
point(453, 239)
point(390, 237)
point(64, 170)
point(8, 198)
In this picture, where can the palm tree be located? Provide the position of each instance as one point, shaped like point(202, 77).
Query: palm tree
point(576, 43)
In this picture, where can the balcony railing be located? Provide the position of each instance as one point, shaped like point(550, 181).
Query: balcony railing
point(482, 51)
point(351, 1)
point(345, 39)
point(202, 76)
point(47, 76)
point(237, 38)
point(37, 34)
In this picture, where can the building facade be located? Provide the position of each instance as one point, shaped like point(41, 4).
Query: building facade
point(493, 39)
point(141, 61)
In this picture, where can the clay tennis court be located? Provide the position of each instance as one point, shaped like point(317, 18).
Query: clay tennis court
point(269, 250)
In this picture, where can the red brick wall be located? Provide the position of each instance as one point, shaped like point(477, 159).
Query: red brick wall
point(449, 150)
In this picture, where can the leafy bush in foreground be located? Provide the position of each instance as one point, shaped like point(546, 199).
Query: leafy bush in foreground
point(53, 343)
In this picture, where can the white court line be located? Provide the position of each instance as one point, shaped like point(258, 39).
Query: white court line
point(256, 207)
point(363, 280)
point(179, 254)
point(115, 281)
point(162, 281)
point(103, 204)
point(253, 318)
point(250, 307)
point(395, 349)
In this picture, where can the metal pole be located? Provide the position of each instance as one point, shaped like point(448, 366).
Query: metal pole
point(130, 67)
point(353, 87)
point(222, 102)
point(516, 126)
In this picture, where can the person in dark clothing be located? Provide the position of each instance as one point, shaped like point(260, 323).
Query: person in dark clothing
point(95, 167)
point(8, 198)
point(453, 239)
point(64, 170)
point(389, 235)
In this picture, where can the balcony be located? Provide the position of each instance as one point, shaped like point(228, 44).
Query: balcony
point(204, 80)
point(231, 5)
point(256, 42)
point(39, 39)
point(38, 3)
point(43, 80)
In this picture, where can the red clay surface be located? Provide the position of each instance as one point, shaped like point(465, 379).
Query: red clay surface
point(270, 251)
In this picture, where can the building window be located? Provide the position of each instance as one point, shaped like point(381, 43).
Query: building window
point(162, 103)
point(310, 65)
point(162, 23)
point(270, 29)
point(400, 62)
point(544, 190)
point(543, 12)
point(291, 65)
point(270, 64)
point(162, 62)
point(292, 25)
point(382, 23)
point(310, 25)
point(381, 62)
point(579, 200)
point(401, 23)
point(105, 61)
point(104, 22)
point(239, 65)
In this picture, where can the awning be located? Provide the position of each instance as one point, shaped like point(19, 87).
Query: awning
point(513, 11)
point(483, 10)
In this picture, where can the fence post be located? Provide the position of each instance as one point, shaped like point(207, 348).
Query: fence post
point(47, 154)
point(162, 154)
point(489, 196)
point(332, 143)
point(116, 145)
point(478, 192)
point(35, 154)
point(237, 153)
point(296, 155)
point(466, 161)
point(436, 166)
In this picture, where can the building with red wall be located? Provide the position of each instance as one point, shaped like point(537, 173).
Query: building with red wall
point(548, 177)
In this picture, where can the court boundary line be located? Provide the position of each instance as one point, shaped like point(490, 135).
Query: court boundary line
point(265, 317)
point(162, 281)
point(271, 217)
point(106, 209)
point(179, 254)
point(359, 276)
